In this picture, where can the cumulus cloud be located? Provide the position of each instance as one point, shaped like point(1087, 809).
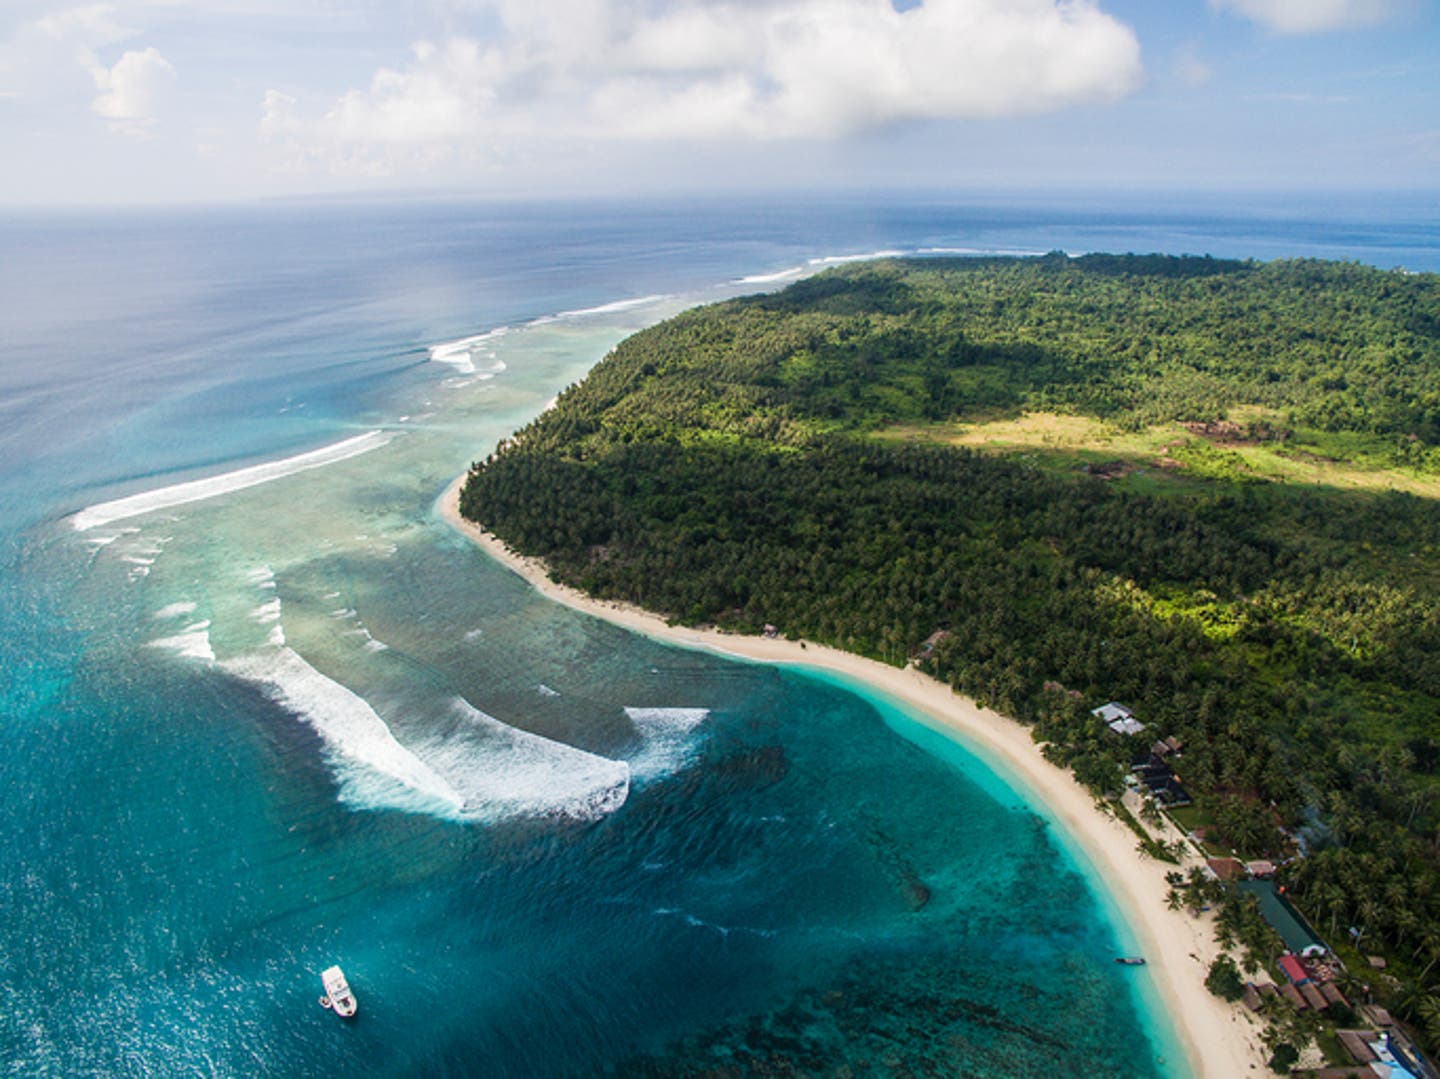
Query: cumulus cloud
point(719, 69)
point(51, 57)
point(131, 90)
point(1311, 16)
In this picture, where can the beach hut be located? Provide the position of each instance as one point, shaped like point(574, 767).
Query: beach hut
point(1288, 992)
point(1294, 970)
point(1333, 995)
point(1312, 996)
point(1356, 1045)
point(1376, 1016)
point(1226, 868)
point(932, 642)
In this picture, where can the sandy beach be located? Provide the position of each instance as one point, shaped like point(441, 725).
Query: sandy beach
point(1221, 1040)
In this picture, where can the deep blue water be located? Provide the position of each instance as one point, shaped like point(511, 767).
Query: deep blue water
point(229, 728)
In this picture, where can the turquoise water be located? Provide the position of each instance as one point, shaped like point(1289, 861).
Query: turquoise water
point(301, 722)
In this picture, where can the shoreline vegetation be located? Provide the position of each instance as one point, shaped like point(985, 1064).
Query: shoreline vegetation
point(1219, 1038)
point(1206, 491)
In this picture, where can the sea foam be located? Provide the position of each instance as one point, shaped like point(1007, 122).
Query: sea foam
point(461, 354)
point(667, 741)
point(838, 260)
point(192, 642)
point(469, 767)
point(772, 278)
point(353, 732)
point(180, 494)
point(611, 308)
point(505, 772)
point(267, 612)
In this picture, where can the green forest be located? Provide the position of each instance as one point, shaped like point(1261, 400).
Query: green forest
point(1242, 542)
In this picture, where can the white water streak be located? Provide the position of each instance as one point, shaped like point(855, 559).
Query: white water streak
point(667, 742)
point(350, 727)
point(180, 494)
point(506, 772)
point(192, 642)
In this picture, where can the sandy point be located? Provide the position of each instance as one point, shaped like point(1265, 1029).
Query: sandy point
point(1221, 1040)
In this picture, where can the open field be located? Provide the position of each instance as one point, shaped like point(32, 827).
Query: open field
point(1173, 456)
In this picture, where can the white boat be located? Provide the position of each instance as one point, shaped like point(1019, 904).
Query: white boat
point(337, 993)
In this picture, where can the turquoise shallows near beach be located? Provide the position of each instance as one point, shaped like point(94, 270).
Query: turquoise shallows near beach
point(262, 711)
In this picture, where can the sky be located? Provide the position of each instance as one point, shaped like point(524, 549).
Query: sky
point(132, 101)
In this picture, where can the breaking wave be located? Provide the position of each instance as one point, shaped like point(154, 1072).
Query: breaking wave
point(461, 354)
point(468, 766)
point(354, 734)
point(502, 771)
point(180, 494)
point(772, 278)
point(666, 739)
point(614, 307)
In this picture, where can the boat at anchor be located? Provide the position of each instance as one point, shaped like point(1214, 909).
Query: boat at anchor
point(338, 996)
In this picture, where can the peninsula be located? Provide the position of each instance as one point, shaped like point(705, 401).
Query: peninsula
point(1205, 489)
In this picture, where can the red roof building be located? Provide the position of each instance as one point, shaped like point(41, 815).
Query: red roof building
point(1293, 969)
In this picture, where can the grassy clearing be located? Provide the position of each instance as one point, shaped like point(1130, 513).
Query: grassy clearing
point(1168, 456)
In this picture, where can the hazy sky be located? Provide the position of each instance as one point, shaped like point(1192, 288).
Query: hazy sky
point(217, 99)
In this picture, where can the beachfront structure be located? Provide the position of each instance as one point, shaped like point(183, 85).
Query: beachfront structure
point(1118, 718)
point(1282, 916)
point(1386, 1054)
point(1294, 970)
point(1356, 1045)
point(1159, 779)
point(1226, 869)
point(932, 642)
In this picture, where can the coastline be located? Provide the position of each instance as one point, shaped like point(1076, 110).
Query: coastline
point(1219, 1039)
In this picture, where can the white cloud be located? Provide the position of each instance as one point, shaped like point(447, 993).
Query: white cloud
point(131, 90)
point(1311, 16)
point(718, 69)
point(55, 60)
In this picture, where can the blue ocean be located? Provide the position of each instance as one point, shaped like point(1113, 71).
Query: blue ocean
point(262, 712)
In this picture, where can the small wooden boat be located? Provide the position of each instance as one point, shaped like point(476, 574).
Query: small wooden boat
point(337, 993)
point(1130, 960)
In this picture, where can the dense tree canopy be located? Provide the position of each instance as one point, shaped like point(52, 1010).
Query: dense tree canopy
point(734, 466)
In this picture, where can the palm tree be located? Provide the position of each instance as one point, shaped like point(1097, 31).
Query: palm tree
point(1428, 1010)
point(1430, 943)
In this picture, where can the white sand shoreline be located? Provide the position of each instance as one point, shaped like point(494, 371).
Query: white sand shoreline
point(1221, 1040)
